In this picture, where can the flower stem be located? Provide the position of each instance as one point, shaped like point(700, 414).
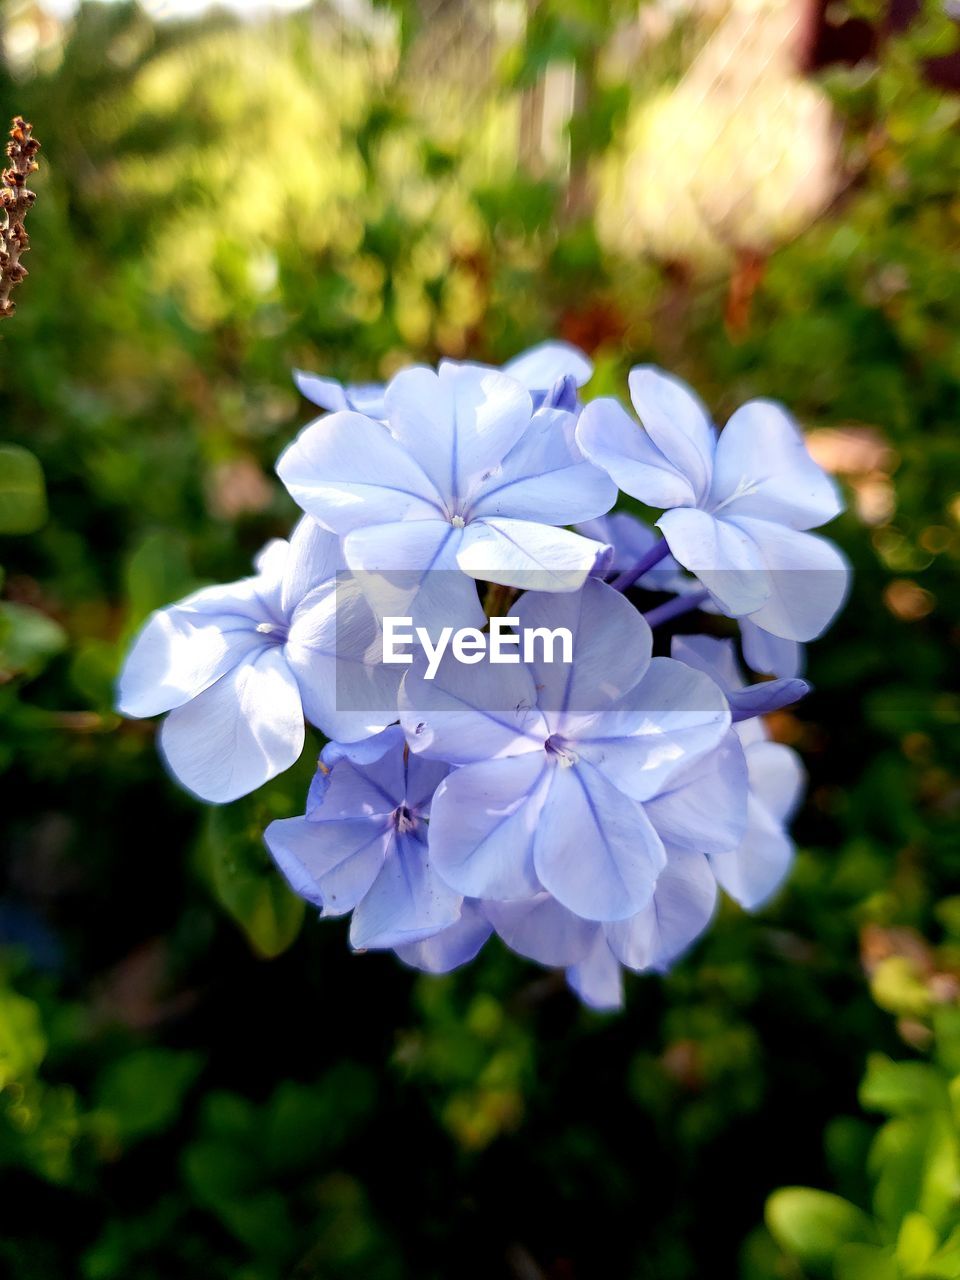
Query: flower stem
point(652, 557)
point(675, 608)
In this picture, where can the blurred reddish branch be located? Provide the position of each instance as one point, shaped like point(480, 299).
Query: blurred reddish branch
point(15, 199)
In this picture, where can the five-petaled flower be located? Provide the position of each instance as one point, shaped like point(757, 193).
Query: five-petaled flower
point(559, 759)
point(239, 666)
point(362, 846)
point(462, 481)
point(736, 506)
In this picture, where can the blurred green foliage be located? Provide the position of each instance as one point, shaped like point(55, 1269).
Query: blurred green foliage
point(196, 1079)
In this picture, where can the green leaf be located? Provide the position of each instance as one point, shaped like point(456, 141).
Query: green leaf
point(916, 1160)
point(865, 1262)
point(28, 640)
point(245, 881)
point(157, 572)
point(901, 1088)
point(143, 1092)
point(22, 1042)
point(23, 494)
point(945, 1264)
point(219, 1172)
point(916, 1244)
point(946, 1031)
point(811, 1225)
point(262, 1222)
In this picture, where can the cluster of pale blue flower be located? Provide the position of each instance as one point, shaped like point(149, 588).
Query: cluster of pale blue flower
point(585, 810)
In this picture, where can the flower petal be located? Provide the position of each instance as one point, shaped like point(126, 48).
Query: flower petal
point(335, 650)
point(482, 825)
point(423, 778)
point(545, 477)
point(717, 659)
point(539, 367)
point(313, 558)
point(757, 868)
point(776, 777)
point(457, 423)
point(677, 423)
point(808, 579)
point(470, 713)
point(753, 873)
point(347, 471)
point(610, 645)
point(723, 556)
point(451, 947)
point(611, 439)
point(327, 393)
point(595, 849)
point(714, 657)
point(362, 787)
point(409, 570)
point(407, 902)
point(239, 733)
point(179, 653)
point(680, 910)
point(378, 766)
point(520, 553)
point(366, 751)
point(704, 808)
point(542, 930)
point(331, 864)
point(598, 978)
point(673, 716)
point(769, 654)
point(762, 470)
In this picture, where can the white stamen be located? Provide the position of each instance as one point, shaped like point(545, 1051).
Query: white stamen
point(457, 521)
point(743, 489)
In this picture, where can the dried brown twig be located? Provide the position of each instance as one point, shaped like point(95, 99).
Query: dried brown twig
point(15, 199)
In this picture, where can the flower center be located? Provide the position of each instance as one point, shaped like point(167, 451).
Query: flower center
point(274, 631)
point(458, 522)
point(561, 751)
point(404, 819)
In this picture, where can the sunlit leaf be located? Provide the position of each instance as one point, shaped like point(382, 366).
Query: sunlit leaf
point(28, 639)
point(23, 494)
point(811, 1225)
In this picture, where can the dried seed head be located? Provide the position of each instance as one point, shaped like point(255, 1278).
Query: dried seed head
point(15, 199)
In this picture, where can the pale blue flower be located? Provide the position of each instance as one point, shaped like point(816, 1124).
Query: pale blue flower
point(559, 759)
point(753, 872)
point(462, 481)
point(702, 807)
point(239, 666)
point(737, 507)
point(362, 846)
point(551, 371)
